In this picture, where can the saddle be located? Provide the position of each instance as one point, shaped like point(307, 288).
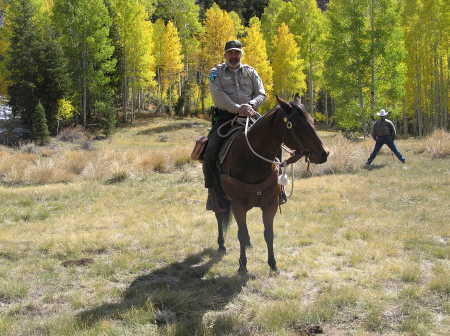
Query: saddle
point(255, 195)
point(199, 148)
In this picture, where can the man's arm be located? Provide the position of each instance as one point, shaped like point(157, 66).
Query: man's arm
point(374, 137)
point(259, 93)
point(220, 98)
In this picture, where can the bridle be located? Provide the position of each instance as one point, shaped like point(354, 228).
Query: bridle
point(277, 162)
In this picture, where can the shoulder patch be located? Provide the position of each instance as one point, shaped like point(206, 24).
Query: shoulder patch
point(213, 74)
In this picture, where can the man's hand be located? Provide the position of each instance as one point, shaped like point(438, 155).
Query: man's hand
point(245, 110)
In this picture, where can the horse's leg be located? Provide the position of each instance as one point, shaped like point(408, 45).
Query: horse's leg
point(221, 217)
point(268, 216)
point(248, 244)
point(240, 215)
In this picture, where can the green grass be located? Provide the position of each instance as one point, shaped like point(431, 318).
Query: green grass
point(361, 252)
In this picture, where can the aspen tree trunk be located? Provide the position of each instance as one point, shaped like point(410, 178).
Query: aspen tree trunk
point(361, 100)
point(84, 66)
point(139, 101)
point(436, 108)
point(326, 108)
point(202, 93)
point(160, 87)
point(310, 89)
point(124, 89)
point(333, 107)
point(418, 107)
point(444, 94)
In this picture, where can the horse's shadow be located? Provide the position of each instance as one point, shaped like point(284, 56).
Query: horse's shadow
point(177, 293)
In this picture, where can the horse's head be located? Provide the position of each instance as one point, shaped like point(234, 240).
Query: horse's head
point(300, 133)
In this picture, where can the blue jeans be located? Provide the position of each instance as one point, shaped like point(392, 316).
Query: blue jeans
point(385, 140)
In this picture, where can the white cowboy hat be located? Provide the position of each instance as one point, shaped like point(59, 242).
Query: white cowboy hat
point(382, 113)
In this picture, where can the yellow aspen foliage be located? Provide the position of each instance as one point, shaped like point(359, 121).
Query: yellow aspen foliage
point(256, 53)
point(65, 109)
point(158, 46)
point(219, 28)
point(172, 57)
point(288, 76)
point(136, 40)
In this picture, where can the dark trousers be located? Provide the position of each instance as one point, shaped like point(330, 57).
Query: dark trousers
point(215, 142)
point(388, 141)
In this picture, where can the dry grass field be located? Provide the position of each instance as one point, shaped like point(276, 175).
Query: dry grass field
point(110, 237)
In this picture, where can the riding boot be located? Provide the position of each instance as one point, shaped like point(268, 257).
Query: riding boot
point(217, 202)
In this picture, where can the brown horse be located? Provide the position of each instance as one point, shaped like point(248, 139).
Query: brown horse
point(249, 178)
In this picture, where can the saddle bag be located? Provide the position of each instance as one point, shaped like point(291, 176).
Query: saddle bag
point(199, 148)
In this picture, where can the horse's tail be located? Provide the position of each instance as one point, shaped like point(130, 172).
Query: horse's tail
point(227, 217)
point(224, 216)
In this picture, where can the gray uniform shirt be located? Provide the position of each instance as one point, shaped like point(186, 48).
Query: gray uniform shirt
point(232, 88)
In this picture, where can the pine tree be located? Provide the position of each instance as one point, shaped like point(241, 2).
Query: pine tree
point(257, 54)
point(4, 43)
point(288, 76)
point(54, 82)
point(117, 75)
point(21, 59)
point(39, 130)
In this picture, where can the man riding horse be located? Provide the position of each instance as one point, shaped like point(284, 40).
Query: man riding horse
point(236, 89)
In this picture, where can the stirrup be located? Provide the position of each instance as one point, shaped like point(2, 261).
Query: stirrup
point(282, 197)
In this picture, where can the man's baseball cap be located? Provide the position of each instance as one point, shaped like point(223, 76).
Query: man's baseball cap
point(233, 45)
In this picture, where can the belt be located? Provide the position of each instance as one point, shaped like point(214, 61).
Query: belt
point(219, 115)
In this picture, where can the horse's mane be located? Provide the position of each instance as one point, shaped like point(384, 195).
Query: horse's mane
point(299, 107)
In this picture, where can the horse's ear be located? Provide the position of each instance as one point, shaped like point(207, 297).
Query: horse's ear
point(297, 99)
point(284, 104)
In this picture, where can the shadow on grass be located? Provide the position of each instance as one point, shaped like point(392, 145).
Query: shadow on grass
point(177, 295)
point(173, 127)
point(375, 166)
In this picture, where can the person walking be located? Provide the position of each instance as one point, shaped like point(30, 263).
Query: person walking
point(384, 133)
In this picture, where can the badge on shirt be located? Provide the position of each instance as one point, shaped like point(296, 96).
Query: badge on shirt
point(213, 75)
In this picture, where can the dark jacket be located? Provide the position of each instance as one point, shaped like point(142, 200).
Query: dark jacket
point(383, 127)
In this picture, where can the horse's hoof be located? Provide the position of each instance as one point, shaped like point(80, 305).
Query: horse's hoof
point(274, 272)
point(222, 249)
